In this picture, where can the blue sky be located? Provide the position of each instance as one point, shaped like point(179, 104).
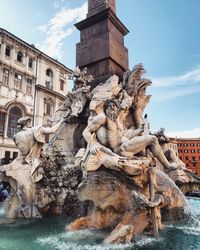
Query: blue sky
point(164, 36)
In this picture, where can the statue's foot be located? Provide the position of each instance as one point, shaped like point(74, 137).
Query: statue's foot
point(173, 166)
point(156, 202)
point(81, 223)
point(130, 167)
point(185, 169)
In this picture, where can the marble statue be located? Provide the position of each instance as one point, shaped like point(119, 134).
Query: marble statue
point(30, 141)
point(25, 170)
point(110, 133)
point(170, 154)
point(102, 163)
point(121, 174)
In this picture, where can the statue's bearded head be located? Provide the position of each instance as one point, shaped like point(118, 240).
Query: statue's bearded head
point(111, 109)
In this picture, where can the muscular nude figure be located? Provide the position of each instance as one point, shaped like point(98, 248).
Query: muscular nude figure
point(110, 133)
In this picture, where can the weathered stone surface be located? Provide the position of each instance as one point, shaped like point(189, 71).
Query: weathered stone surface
point(114, 204)
point(102, 163)
point(103, 30)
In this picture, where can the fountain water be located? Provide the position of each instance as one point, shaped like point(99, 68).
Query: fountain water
point(48, 234)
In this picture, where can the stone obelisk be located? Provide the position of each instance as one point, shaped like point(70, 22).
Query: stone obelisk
point(101, 48)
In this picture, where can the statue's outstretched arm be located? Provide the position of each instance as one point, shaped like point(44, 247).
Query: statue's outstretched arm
point(54, 128)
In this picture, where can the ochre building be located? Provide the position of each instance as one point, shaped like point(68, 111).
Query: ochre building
point(189, 153)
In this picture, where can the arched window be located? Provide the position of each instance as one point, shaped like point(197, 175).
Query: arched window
point(14, 114)
point(49, 73)
point(7, 52)
point(19, 56)
point(49, 79)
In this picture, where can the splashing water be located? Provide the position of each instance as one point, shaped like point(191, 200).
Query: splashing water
point(49, 234)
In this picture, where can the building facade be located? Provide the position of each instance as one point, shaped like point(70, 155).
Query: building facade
point(189, 153)
point(31, 84)
point(173, 145)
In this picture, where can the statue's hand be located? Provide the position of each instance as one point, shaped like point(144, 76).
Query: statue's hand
point(94, 149)
point(65, 117)
point(160, 132)
point(141, 127)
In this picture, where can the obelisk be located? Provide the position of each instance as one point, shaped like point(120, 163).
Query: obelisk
point(101, 48)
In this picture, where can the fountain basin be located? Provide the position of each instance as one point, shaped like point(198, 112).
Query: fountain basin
point(49, 233)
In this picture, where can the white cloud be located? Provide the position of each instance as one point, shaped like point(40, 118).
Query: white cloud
point(163, 94)
point(194, 133)
point(192, 76)
point(168, 87)
point(58, 28)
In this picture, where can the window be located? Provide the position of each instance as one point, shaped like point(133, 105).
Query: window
point(198, 144)
point(193, 158)
point(48, 109)
point(192, 144)
point(192, 151)
point(15, 154)
point(62, 85)
point(49, 79)
point(180, 150)
point(6, 76)
point(7, 157)
point(30, 62)
point(2, 123)
point(7, 52)
point(179, 144)
point(19, 56)
point(18, 81)
point(186, 158)
point(185, 150)
point(14, 114)
point(48, 106)
point(180, 158)
point(29, 84)
point(198, 150)
point(185, 144)
point(49, 72)
point(48, 85)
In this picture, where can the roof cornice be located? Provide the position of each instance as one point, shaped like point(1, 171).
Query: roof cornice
point(38, 52)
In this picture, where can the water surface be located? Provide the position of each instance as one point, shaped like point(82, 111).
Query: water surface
point(49, 233)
